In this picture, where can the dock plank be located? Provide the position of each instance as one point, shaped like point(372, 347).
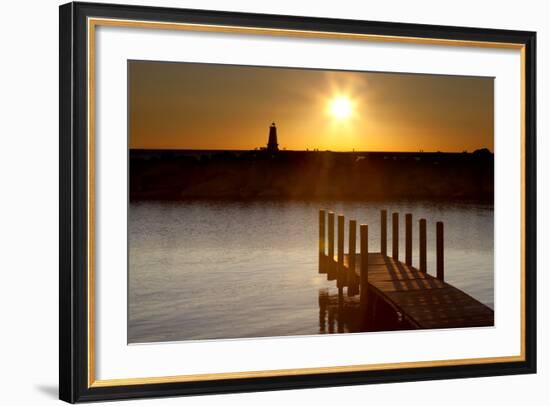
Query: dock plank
point(425, 301)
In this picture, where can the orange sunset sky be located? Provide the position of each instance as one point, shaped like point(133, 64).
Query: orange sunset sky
point(207, 106)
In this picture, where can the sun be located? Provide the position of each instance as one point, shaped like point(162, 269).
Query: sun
point(340, 107)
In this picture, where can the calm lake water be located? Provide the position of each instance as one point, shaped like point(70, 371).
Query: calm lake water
point(210, 270)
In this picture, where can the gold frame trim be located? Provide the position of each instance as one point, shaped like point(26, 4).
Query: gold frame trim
point(94, 22)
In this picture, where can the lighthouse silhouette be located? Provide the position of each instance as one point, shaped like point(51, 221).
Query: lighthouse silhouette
point(272, 145)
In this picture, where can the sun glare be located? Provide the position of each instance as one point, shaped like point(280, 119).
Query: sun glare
point(341, 107)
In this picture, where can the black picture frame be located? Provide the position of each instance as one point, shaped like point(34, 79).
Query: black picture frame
point(73, 257)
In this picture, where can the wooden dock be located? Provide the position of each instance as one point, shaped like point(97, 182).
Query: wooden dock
point(418, 299)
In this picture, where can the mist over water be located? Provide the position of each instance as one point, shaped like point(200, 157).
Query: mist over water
point(229, 269)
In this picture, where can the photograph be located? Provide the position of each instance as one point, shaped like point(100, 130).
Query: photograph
point(278, 201)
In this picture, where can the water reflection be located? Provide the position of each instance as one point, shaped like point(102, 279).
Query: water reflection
point(341, 313)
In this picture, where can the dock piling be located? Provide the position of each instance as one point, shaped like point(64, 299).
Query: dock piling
point(322, 242)
point(440, 273)
point(395, 236)
point(422, 245)
point(322, 232)
point(352, 277)
point(384, 232)
point(330, 256)
point(340, 254)
point(364, 231)
point(408, 239)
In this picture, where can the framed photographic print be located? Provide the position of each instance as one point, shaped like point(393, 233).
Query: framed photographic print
point(255, 202)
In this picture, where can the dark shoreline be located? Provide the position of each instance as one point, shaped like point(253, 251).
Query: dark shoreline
point(311, 175)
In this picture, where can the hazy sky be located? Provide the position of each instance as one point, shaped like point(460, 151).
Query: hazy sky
point(206, 106)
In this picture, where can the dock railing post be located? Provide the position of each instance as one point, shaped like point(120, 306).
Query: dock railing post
point(395, 236)
point(364, 236)
point(352, 276)
point(341, 272)
point(440, 272)
point(322, 242)
point(384, 232)
point(330, 256)
point(422, 245)
point(408, 239)
point(322, 232)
